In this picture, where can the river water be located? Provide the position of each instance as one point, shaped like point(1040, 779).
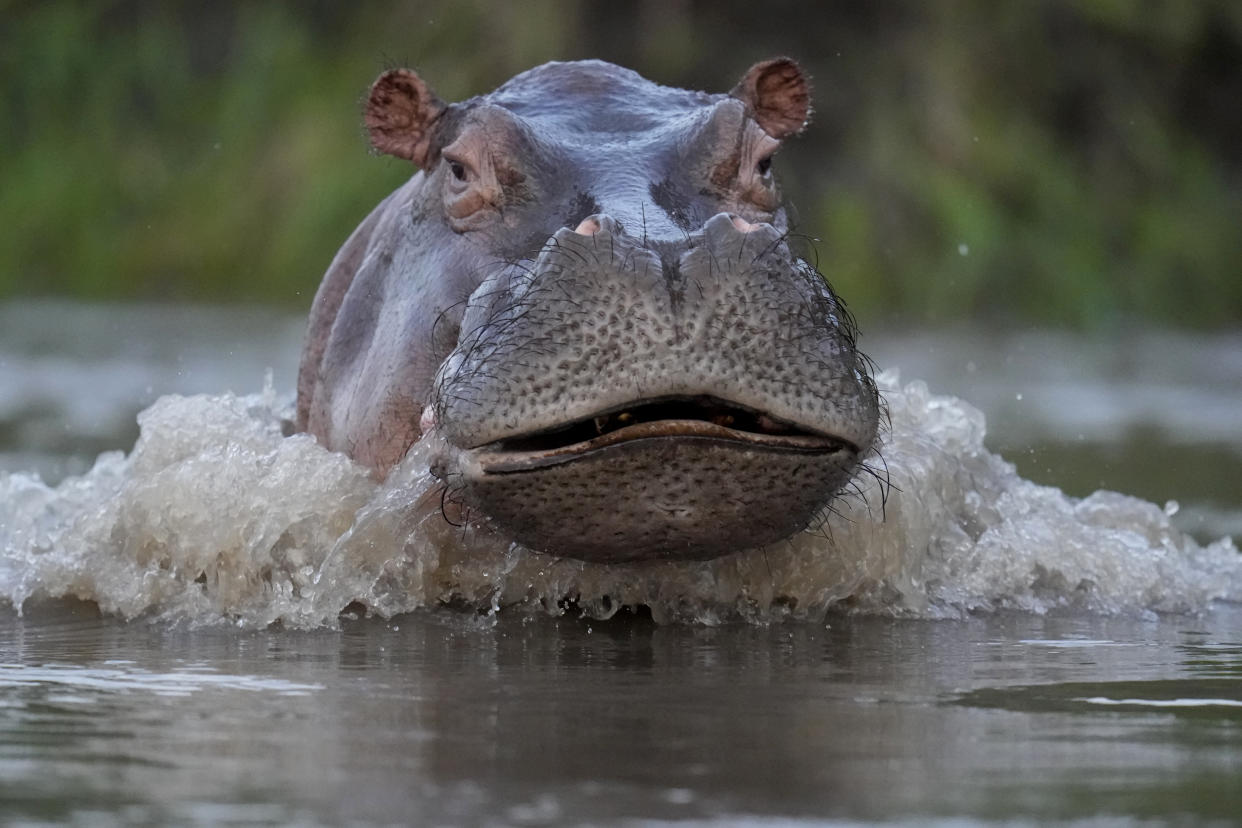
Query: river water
point(183, 636)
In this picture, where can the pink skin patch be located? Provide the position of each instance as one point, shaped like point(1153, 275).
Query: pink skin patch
point(427, 421)
point(743, 225)
point(588, 227)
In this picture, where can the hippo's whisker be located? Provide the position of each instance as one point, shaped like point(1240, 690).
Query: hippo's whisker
point(448, 497)
point(777, 242)
point(811, 243)
point(576, 251)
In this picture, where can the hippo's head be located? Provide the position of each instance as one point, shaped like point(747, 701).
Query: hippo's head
point(587, 292)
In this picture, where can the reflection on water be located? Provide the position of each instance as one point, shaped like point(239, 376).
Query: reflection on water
point(121, 675)
point(1187, 697)
point(444, 718)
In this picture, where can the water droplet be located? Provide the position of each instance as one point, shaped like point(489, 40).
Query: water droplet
point(1018, 396)
point(963, 249)
point(1172, 507)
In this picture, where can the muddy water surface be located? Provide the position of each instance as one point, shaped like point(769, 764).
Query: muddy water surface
point(435, 720)
point(1055, 689)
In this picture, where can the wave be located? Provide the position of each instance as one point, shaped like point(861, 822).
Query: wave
point(217, 517)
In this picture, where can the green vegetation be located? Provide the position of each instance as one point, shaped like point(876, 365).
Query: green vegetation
point(1063, 162)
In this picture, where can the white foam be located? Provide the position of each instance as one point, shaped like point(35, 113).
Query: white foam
point(215, 517)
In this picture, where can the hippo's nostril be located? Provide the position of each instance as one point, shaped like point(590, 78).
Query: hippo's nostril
point(743, 225)
point(736, 233)
point(588, 227)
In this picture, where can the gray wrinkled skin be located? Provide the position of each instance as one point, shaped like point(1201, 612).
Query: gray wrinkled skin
point(587, 286)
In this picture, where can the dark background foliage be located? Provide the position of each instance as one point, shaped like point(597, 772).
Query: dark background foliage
point(1046, 161)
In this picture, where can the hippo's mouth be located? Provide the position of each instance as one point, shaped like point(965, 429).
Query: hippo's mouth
point(701, 418)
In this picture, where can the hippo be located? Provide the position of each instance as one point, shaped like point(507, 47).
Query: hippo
point(585, 301)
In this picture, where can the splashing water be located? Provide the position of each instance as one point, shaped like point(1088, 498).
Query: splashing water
point(216, 517)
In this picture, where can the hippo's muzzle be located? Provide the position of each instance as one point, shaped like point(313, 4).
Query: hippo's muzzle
point(622, 400)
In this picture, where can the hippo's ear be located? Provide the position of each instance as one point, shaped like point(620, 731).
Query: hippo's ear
point(400, 111)
point(778, 94)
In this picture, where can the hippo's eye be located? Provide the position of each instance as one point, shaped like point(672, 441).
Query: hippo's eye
point(458, 169)
point(764, 166)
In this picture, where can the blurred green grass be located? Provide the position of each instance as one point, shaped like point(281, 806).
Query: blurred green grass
point(1070, 163)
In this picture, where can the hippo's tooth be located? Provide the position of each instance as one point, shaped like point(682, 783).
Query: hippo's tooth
point(769, 426)
point(600, 422)
point(723, 419)
point(625, 416)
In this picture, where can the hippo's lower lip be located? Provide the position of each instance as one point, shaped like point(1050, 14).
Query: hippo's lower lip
point(702, 419)
point(677, 483)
